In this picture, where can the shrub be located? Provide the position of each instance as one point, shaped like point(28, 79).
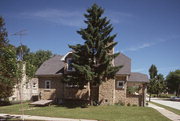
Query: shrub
point(128, 104)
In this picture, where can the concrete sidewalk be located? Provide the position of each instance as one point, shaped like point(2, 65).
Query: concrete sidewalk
point(166, 113)
point(29, 117)
point(173, 104)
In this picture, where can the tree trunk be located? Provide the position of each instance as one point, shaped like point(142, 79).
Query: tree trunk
point(89, 94)
point(178, 91)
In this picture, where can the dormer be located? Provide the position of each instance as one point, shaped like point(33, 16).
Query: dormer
point(67, 59)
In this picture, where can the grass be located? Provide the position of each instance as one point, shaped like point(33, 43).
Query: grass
point(108, 113)
point(176, 111)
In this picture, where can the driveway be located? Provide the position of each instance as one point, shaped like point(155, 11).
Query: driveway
point(173, 104)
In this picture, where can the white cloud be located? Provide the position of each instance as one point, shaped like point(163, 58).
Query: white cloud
point(62, 17)
point(118, 17)
point(138, 47)
point(149, 44)
point(72, 18)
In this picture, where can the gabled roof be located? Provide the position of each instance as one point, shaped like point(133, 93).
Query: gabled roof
point(55, 65)
point(138, 77)
point(125, 61)
point(52, 66)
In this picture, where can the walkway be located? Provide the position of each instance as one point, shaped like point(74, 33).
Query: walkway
point(166, 113)
point(29, 117)
point(173, 104)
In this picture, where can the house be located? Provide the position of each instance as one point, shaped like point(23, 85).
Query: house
point(118, 90)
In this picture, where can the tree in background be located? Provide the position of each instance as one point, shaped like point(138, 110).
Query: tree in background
point(157, 83)
point(9, 72)
point(173, 82)
point(33, 59)
point(152, 82)
point(92, 60)
point(160, 84)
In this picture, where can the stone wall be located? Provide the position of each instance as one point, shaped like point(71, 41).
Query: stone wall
point(107, 92)
point(132, 100)
point(56, 90)
point(75, 93)
point(120, 94)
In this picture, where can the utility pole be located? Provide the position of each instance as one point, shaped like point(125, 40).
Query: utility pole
point(20, 34)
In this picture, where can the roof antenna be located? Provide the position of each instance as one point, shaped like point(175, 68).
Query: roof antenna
point(20, 34)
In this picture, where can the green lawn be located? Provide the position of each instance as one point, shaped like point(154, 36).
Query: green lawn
point(108, 113)
point(176, 111)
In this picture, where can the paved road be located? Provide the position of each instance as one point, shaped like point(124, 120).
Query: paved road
point(29, 117)
point(173, 104)
point(166, 113)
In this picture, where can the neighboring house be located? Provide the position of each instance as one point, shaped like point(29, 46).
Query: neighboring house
point(118, 90)
point(26, 89)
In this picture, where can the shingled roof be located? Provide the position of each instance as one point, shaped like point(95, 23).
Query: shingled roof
point(125, 62)
point(138, 77)
point(54, 65)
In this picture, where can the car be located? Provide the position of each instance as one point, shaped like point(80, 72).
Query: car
point(174, 98)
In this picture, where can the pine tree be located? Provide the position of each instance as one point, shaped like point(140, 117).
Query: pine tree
point(93, 60)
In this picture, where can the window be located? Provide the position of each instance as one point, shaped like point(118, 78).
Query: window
point(70, 84)
point(120, 84)
point(47, 84)
point(34, 85)
point(69, 64)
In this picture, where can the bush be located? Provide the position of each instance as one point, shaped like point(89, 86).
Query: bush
point(128, 104)
point(132, 90)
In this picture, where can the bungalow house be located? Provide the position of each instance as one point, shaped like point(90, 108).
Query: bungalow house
point(127, 87)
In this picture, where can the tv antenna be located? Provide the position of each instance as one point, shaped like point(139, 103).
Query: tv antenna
point(20, 34)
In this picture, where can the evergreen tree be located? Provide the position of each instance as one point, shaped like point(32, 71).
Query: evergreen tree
point(152, 84)
point(93, 60)
point(8, 64)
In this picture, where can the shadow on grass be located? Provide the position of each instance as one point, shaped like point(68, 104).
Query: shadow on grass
point(9, 117)
point(68, 103)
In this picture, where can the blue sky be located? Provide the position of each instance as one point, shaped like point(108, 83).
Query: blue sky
point(148, 30)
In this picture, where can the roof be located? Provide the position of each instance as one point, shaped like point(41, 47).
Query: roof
point(125, 61)
point(51, 66)
point(54, 65)
point(138, 77)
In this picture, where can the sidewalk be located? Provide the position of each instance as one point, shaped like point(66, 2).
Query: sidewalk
point(29, 117)
point(166, 113)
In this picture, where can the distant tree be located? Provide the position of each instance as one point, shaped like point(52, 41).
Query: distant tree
point(160, 84)
point(153, 71)
point(21, 51)
point(34, 60)
point(173, 82)
point(9, 72)
point(152, 82)
point(93, 59)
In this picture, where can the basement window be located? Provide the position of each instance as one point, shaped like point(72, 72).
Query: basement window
point(120, 84)
point(48, 84)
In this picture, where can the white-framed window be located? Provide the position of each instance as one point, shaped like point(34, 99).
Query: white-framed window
point(70, 84)
point(48, 84)
point(34, 85)
point(120, 84)
point(69, 66)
